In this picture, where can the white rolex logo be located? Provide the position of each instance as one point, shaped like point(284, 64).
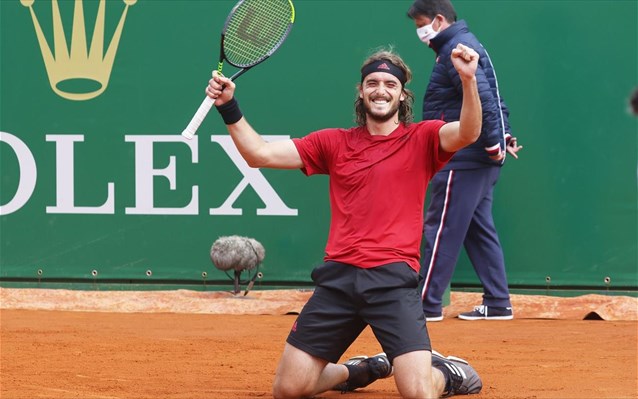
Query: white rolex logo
point(91, 65)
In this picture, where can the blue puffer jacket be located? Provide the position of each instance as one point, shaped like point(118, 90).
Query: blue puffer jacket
point(443, 98)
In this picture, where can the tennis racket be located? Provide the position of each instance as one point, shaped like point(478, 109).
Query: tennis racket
point(253, 31)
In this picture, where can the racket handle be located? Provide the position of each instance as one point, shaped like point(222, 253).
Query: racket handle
point(198, 118)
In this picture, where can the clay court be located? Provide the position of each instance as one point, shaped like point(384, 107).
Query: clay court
point(194, 345)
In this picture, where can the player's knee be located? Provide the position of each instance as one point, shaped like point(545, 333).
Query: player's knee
point(417, 392)
point(289, 390)
point(416, 387)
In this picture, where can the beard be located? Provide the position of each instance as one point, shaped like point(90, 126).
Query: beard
point(381, 116)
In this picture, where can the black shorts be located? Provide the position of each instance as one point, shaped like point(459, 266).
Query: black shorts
point(348, 298)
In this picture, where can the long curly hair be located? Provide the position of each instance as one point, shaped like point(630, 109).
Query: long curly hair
point(406, 114)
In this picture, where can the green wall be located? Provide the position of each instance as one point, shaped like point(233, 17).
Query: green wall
point(113, 182)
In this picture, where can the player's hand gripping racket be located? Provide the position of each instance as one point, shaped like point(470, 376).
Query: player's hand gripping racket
point(253, 31)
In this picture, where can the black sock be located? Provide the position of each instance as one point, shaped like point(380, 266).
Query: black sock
point(358, 375)
point(352, 371)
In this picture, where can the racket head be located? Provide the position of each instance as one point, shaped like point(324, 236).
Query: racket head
point(254, 30)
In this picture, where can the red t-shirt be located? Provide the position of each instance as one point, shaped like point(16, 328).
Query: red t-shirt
point(377, 189)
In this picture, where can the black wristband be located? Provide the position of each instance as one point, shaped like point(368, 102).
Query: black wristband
point(230, 112)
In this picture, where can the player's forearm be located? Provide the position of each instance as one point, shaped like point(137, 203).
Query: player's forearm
point(258, 153)
point(249, 143)
point(471, 113)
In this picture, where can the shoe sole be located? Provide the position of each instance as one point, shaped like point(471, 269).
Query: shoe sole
point(486, 318)
point(434, 319)
point(355, 360)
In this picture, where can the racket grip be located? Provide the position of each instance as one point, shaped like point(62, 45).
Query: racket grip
point(198, 118)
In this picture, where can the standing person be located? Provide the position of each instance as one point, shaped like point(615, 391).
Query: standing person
point(379, 173)
point(460, 210)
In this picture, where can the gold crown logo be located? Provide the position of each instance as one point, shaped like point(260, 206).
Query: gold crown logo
point(80, 64)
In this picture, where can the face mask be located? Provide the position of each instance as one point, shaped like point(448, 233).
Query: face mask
point(426, 33)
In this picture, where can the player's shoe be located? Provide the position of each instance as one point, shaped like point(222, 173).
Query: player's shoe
point(483, 312)
point(460, 377)
point(364, 371)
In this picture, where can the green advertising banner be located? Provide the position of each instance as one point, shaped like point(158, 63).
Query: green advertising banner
point(97, 184)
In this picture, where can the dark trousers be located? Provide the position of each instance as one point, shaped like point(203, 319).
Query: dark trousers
point(460, 213)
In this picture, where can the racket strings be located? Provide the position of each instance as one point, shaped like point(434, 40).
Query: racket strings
point(256, 30)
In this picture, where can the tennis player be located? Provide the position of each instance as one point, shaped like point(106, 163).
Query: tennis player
point(379, 171)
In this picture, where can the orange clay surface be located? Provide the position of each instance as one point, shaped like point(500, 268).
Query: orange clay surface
point(108, 355)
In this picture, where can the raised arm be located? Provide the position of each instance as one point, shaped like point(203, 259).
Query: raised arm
point(455, 135)
point(257, 152)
